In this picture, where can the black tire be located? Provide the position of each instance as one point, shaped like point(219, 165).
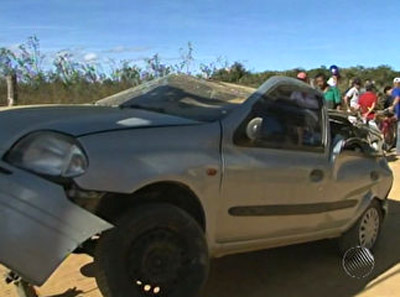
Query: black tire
point(154, 250)
point(353, 237)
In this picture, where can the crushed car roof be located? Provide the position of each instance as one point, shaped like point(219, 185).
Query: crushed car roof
point(185, 88)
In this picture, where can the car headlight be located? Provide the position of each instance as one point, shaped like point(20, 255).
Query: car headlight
point(49, 153)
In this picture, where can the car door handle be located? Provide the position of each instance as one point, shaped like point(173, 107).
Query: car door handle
point(316, 175)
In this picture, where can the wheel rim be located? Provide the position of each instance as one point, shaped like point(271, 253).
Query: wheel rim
point(369, 228)
point(156, 262)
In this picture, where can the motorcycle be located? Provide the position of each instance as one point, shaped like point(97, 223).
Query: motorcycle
point(387, 124)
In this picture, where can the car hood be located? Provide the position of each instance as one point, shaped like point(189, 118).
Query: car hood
point(78, 120)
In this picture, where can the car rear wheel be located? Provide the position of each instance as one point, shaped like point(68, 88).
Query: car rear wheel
point(154, 250)
point(365, 231)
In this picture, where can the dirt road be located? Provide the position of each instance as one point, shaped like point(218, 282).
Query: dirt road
point(312, 269)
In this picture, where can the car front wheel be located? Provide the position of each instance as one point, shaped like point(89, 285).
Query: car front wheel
point(365, 231)
point(154, 250)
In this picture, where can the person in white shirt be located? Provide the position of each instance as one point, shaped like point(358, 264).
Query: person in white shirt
point(352, 95)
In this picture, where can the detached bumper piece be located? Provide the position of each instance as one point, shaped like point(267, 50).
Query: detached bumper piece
point(39, 226)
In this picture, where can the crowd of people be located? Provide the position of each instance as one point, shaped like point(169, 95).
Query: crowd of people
point(360, 97)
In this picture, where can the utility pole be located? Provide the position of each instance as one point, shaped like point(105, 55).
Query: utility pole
point(12, 96)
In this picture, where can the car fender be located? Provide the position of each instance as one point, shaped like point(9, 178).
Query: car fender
point(126, 161)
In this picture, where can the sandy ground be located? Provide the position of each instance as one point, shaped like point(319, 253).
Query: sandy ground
point(312, 269)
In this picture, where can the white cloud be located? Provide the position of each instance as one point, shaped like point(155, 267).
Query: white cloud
point(117, 49)
point(124, 49)
point(90, 57)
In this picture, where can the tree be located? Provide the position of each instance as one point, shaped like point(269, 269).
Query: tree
point(232, 74)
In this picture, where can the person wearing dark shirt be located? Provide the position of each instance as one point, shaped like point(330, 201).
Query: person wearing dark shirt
point(388, 99)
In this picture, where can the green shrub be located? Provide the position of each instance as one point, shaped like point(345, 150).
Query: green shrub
point(70, 81)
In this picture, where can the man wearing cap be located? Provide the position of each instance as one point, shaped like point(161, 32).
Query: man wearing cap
point(396, 107)
point(334, 79)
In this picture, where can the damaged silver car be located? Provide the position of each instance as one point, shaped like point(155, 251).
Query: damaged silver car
point(157, 179)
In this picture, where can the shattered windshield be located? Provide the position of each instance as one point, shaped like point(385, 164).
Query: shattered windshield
point(184, 96)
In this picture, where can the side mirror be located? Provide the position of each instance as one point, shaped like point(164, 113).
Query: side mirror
point(253, 128)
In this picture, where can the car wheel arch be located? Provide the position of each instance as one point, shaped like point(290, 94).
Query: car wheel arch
point(113, 205)
point(382, 203)
point(374, 200)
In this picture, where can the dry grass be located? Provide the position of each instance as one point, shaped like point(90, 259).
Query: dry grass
point(58, 93)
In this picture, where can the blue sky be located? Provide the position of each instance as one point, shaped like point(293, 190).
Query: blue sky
point(264, 35)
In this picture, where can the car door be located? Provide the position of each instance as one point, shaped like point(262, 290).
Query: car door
point(276, 166)
point(359, 175)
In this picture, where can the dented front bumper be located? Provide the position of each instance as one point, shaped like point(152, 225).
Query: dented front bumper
point(39, 226)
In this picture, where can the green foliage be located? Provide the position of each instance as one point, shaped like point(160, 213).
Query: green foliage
point(155, 69)
point(70, 80)
point(127, 74)
point(187, 59)
point(8, 63)
point(381, 75)
point(30, 61)
point(231, 74)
